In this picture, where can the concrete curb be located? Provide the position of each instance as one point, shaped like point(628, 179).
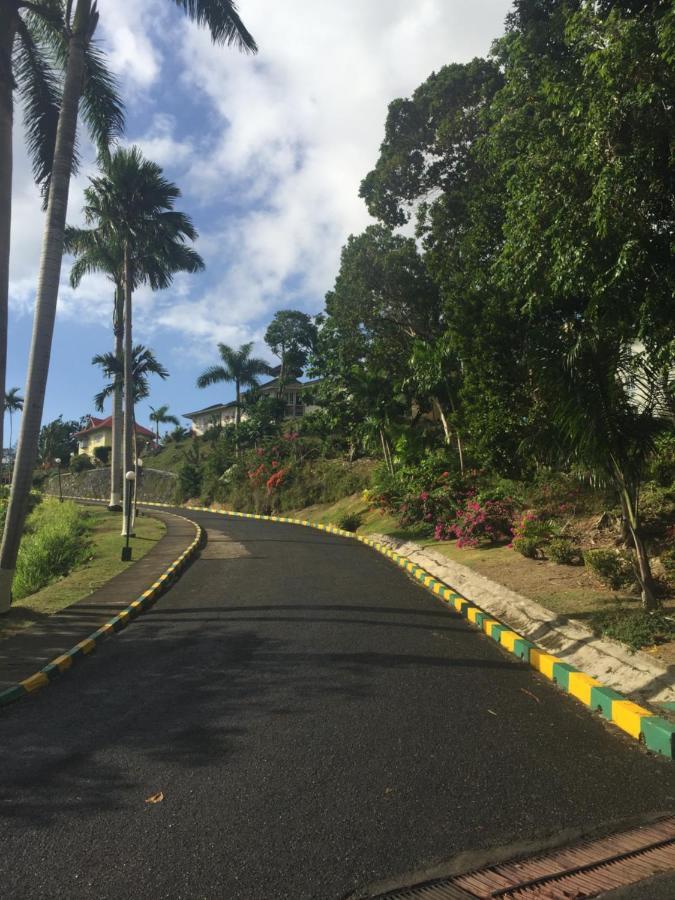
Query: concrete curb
point(657, 734)
point(633, 673)
point(65, 661)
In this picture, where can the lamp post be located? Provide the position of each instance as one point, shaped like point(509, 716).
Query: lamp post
point(58, 469)
point(137, 486)
point(126, 550)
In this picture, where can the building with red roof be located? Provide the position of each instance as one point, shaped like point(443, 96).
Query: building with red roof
point(99, 434)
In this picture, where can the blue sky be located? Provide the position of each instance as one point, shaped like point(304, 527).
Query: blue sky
point(268, 151)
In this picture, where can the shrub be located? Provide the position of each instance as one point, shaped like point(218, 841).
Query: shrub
point(350, 521)
point(80, 463)
point(635, 628)
point(55, 541)
point(527, 546)
point(667, 558)
point(563, 551)
point(102, 454)
point(533, 526)
point(475, 521)
point(189, 481)
point(612, 568)
point(662, 468)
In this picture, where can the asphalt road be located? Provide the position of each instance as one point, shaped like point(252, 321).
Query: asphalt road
point(315, 721)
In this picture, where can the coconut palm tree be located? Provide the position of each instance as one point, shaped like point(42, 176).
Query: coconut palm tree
point(161, 416)
point(32, 62)
point(238, 367)
point(222, 20)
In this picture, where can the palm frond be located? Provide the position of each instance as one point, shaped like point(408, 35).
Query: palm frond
point(39, 89)
point(222, 20)
point(213, 375)
point(102, 108)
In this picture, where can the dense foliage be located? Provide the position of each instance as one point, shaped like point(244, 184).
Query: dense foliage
point(529, 325)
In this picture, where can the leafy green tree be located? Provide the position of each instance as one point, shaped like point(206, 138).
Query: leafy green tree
point(431, 167)
point(291, 336)
point(57, 441)
point(238, 366)
point(161, 416)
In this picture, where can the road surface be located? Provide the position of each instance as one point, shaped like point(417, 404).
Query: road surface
point(315, 722)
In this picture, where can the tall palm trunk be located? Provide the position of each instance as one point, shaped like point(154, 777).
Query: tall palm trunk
point(45, 301)
point(6, 126)
point(128, 430)
point(116, 454)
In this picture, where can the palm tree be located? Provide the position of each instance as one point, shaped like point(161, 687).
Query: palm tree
point(13, 403)
point(132, 205)
point(608, 403)
point(220, 17)
point(238, 366)
point(160, 416)
point(32, 59)
point(156, 263)
point(144, 363)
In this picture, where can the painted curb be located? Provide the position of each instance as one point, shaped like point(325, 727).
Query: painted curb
point(65, 661)
point(657, 734)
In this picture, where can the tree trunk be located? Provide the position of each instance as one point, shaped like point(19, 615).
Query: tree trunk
point(128, 391)
point(461, 453)
point(116, 481)
point(237, 416)
point(386, 452)
point(642, 569)
point(45, 302)
point(6, 127)
point(444, 421)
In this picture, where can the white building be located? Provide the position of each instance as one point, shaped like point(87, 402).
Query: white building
point(225, 413)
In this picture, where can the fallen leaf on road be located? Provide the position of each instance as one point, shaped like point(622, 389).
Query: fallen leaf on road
point(155, 798)
point(530, 694)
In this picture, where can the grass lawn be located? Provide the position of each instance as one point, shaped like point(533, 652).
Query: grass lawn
point(102, 563)
point(570, 591)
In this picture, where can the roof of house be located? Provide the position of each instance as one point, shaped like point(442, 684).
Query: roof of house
point(209, 409)
point(97, 424)
point(215, 407)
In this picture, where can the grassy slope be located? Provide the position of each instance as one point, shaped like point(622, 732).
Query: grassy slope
point(102, 564)
point(171, 457)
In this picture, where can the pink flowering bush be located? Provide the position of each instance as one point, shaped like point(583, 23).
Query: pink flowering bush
point(477, 520)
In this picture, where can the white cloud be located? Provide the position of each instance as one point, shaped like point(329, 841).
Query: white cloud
point(300, 125)
point(271, 173)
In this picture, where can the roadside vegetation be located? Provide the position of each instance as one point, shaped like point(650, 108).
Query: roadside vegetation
point(67, 552)
point(503, 383)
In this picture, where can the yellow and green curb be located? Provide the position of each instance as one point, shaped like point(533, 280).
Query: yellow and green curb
point(657, 734)
point(65, 661)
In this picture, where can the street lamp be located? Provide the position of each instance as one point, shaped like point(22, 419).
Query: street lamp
point(126, 550)
point(58, 469)
point(137, 487)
